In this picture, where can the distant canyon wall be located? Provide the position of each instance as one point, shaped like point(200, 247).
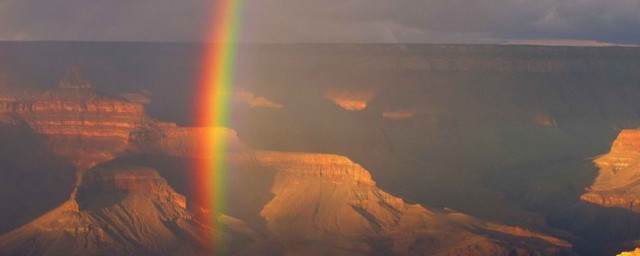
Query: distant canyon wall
point(446, 58)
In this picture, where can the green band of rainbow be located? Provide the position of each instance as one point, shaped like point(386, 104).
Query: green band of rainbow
point(214, 98)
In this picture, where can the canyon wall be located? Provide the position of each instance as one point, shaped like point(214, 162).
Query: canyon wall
point(447, 58)
point(82, 125)
point(617, 183)
point(328, 205)
point(74, 108)
point(88, 127)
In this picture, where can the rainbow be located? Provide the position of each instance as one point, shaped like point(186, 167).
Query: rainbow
point(214, 95)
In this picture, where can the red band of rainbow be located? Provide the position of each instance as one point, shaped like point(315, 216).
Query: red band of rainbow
point(214, 111)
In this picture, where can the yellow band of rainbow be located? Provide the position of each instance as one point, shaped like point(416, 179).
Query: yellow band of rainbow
point(216, 86)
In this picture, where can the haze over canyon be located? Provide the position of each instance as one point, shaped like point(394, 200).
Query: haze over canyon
point(334, 149)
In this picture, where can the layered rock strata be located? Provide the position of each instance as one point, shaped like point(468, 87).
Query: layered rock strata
point(82, 125)
point(618, 181)
point(88, 128)
point(328, 205)
point(75, 109)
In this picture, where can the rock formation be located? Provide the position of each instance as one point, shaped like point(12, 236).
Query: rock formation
point(350, 99)
point(89, 128)
point(83, 125)
point(122, 211)
point(329, 205)
point(630, 253)
point(616, 184)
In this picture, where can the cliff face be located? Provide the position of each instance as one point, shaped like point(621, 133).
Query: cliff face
point(75, 109)
point(297, 166)
point(89, 128)
point(630, 253)
point(81, 124)
point(329, 205)
point(616, 184)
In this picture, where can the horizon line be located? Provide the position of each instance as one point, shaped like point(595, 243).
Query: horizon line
point(506, 44)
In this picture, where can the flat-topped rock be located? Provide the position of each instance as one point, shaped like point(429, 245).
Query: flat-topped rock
point(322, 166)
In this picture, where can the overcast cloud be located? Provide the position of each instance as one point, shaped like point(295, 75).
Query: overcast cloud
point(355, 21)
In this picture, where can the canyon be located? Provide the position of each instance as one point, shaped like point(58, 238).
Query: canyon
point(507, 149)
point(319, 203)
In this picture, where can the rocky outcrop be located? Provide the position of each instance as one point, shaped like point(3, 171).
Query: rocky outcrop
point(619, 175)
point(292, 165)
point(88, 128)
point(123, 211)
point(630, 253)
point(81, 124)
point(75, 109)
point(329, 205)
point(350, 99)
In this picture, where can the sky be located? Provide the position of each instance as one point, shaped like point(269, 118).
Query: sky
point(553, 22)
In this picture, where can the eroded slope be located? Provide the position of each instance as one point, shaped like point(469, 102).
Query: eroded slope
point(329, 205)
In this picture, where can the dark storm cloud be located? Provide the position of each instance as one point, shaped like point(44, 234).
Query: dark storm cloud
point(435, 21)
point(451, 20)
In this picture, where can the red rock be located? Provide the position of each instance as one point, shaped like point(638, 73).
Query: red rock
point(616, 183)
point(350, 99)
point(327, 204)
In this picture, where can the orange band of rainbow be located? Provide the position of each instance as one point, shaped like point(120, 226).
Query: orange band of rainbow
point(213, 103)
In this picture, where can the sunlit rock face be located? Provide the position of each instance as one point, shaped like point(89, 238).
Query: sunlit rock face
point(323, 166)
point(122, 211)
point(635, 252)
point(616, 184)
point(329, 205)
point(350, 99)
point(89, 128)
point(75, 109)
point(81, 124)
